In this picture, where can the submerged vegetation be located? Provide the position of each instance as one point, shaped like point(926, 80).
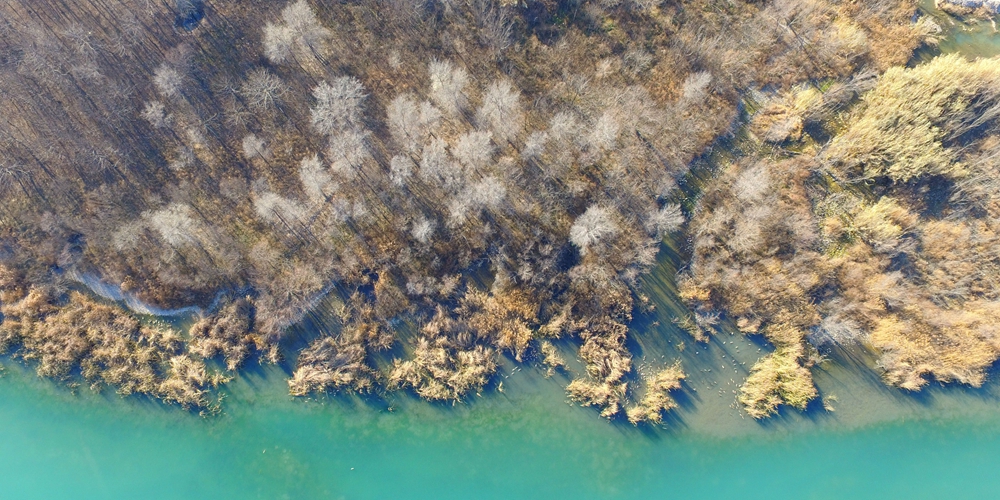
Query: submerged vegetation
point(475, 180)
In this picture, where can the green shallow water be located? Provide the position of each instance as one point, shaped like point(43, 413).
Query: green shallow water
point(56, 445)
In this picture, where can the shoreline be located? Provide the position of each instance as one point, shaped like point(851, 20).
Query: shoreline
point(538, 447)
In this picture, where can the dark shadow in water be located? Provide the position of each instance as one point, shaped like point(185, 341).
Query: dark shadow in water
point(685, 397)
point(249, 373)
point(860, 361)
point(672, 426)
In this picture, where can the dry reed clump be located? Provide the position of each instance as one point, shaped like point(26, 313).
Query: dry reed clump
point(905, 122)
point(551, 358)
point(446, 363)
point(508, 317)
point(104, 346)
point(228, 333)
point(329, 364)
point(657, 398)
point(882, 223)
point(187, 383)
point(340, 362)
point(608, 362)
point(780, 378)
point(950, 345)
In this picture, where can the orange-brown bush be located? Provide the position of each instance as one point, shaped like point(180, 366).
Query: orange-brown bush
point(102, 345)
point(801, 248)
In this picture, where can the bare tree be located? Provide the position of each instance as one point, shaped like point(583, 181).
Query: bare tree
point(474, 149)
point(437, 167)
point(338, 105)
point(168, 80)
point(348, 151)
point(459, 207)
point(423, 229)
point(594, 226)
point(300, 30)
point(563, 125)
point(495, 25)
point(400, 169)
point(278, 42)
point(430, 118)
point(11, 173)
point(277, 209)
point(305, 27)
point(81, 39)
point(263, 89)
point(183, 158)
point(665, 220)
point(695, 87)
point(489, 192)
point(604, 134)
point(448, 84)
point(404, 122)
point(636, 60)
point(534, 145)
point(255, 147)
point(753, 183)
point(316, 181)
point(155, 113)
point(175, 224)
point(501, 111)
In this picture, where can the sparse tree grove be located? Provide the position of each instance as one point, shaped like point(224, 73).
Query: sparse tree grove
point(470, 181)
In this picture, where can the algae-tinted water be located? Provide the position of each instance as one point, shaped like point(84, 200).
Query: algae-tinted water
point(55, 445)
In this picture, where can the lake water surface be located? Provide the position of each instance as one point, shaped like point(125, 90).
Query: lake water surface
point(56, 445)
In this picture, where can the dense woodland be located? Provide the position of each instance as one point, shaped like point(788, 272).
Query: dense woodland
point(476, 179)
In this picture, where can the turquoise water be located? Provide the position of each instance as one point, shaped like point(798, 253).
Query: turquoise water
point(56, 445)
